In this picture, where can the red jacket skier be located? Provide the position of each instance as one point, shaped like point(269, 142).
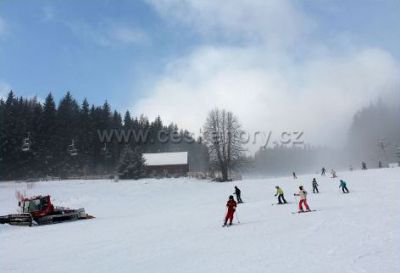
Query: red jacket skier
point(231, 205)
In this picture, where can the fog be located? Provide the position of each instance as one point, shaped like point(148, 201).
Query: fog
point(271, 70)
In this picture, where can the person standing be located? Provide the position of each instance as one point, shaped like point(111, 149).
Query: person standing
point(363, 165)
point(343, 185)
point(238, 195)
point(333, 172)
point(231, 205)
point(315, 186)
point(281, 197)
point(303, 199)
point(323, 170)
point(294, 175)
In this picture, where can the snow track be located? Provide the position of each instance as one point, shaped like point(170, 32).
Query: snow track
point(174, 225)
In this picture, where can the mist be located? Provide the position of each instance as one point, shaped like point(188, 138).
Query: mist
point(271, 71)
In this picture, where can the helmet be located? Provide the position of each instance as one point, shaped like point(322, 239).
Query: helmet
point(231, 197)
point(300, 187)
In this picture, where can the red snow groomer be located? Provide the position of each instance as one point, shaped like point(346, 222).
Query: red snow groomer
point(39, 210)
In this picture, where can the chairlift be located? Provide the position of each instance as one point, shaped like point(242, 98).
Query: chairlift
point(72, 149)
point(104, 151)
point(26, 144)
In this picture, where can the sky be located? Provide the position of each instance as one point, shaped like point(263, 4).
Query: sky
point(279, 65)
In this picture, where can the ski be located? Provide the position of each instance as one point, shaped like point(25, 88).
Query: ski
point(299, 212)
point(277, 204)
point(227, 225)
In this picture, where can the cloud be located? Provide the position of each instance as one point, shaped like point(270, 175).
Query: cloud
point(268, 85)
point(277, 22)
point(318, 96)
point(109, 34)
point(128, 35)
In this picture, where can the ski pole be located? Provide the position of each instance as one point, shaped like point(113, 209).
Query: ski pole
point(237, 218)
point(226, 211)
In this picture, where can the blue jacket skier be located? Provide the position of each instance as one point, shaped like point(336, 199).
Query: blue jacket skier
point(343, 186)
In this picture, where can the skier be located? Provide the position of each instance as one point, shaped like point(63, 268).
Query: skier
point(343, 186)
point(303, 199)
point(323, 170)
point(294, 175)
point(315, 186)
point(333, 172)
point(281, 197)
point(237, 193)
point(231, 205)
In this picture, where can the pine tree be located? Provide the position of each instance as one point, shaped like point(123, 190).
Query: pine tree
point(46, 136)
point(132, 164)
point(12, 141)
point(66, 134)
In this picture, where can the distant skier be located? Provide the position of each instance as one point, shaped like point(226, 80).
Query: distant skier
point(231, 205)
point(238, 193)
point(351, 167)
point(363, 165)
point(380, 164)
point(281, 197)
point(323, 170)
point(303, 199)
point(294, 175)
point(315, 186)
point(343, 186)
point(333, 172)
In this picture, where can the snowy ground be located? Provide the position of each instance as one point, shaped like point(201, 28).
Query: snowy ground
point(174, 225)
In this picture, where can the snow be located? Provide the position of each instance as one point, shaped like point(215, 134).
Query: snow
point(174, 225)
point(162, 159)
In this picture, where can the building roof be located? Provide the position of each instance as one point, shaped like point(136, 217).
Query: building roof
point(163, 159)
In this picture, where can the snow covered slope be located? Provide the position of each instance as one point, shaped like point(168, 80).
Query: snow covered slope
point(174, 225)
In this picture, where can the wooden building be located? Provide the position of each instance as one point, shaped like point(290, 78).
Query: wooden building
point(173, 164)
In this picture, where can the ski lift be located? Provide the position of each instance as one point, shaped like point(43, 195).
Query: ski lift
point(104, 151)
point(72, 150)
point(26, 144)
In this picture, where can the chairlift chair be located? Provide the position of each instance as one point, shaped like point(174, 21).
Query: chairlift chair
point(105, 152)
point(26, 144)
point(72, 150)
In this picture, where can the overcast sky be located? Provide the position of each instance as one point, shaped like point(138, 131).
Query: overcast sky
point(279, 65)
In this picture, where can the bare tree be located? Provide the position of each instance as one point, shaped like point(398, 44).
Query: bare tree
point(222, 136)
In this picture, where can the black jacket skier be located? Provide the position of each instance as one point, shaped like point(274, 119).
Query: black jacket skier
point(315, 186)
point(237, 193)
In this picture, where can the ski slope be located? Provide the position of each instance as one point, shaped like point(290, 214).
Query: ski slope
point(174, 225)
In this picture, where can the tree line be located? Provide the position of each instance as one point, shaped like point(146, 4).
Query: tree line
point(62, 140)
point(373, 138)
